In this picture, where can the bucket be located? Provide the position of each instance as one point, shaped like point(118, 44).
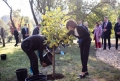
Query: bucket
point(37, 78)
point(3, 56)
point(21, 74)
point(47, 58)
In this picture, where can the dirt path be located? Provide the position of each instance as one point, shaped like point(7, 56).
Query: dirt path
point(111, 57)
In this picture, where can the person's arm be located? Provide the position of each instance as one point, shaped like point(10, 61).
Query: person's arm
point(22, 31)
point(109, 26)
point(82, 32)
point(115, 28)
point(71, 32)
point(34, 32)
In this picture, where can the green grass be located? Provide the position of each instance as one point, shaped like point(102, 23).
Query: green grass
point(69, 65)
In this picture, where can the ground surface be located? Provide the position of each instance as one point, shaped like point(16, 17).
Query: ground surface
point(69, 64)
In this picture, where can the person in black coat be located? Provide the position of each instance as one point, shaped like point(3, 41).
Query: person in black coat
point(36, 30)
point(84, 43)
point(29, 46)
point(107, 26)
point(117, 32)
point(16, 36)
point(25, 31)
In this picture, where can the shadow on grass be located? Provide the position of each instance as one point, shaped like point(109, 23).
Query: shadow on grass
point(69, 65)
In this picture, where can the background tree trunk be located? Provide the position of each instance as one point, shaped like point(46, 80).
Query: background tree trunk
point(33, 13)
point(3, 36)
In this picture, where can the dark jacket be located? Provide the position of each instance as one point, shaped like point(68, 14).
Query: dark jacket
point(35, 31)
point(83, 34)
point(117, 28)
point(33, 43)
point(108, 27)
point(24, 32)
point(16, 34)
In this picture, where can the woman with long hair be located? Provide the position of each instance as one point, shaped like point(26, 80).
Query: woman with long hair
point(84, 42)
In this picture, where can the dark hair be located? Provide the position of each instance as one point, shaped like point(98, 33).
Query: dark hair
point(71, 23)
point(39, 24)
point(119, 17)
point(106, 17)
point(25, 24)
point(97, 23)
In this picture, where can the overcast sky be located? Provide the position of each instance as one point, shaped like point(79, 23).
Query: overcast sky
point(16, 4)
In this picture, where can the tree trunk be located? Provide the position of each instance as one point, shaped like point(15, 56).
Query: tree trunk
point(3, 41)
point(53, 61)
point(11, 19)
point(33, 13)
point(10, 14)
point(3, 36)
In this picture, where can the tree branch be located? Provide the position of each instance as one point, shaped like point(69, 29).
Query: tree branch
point(10, 14)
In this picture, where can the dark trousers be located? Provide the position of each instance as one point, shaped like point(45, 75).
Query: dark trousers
point(84, 49)
point(102, 41)
point(25, 37)
point(109, 43)
point(116, 37)
point(33, 59)
point(17, 40)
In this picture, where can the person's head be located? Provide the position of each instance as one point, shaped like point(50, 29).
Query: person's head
point(15, 28)
point(118, 19)
point(100, 22)
point(85, 23)
point(79, 22)
point(97, 24)
point(105, 19)
point(25, 24)
point(71, 24)
point(39, 25)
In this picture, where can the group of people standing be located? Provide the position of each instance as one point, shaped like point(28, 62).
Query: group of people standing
point(25, 33)
point(80, 31)
point(103, 30)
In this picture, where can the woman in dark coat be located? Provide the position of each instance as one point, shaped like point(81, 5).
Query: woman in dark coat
point(31, 44)
point(16, 36)
point(84, 43)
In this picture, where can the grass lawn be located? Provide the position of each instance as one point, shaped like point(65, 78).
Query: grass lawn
point(69, 65)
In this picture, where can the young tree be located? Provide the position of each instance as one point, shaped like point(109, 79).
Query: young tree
point(55, 31)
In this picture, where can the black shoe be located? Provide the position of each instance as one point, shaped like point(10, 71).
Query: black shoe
point(86, 73)
point(104, 49)
point(82, 76)
point(16, 45)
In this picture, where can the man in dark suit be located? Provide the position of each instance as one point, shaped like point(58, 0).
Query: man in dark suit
point(107, 26)
point(36, 30)
point(117, 32)
point(29, 46)
point(25, 31)
point(16, 36)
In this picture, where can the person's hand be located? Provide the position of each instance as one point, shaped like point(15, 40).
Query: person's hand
point(118, 33)
point(47, 50)
point(105, 30)
point(44, 64)
point(26, 34)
